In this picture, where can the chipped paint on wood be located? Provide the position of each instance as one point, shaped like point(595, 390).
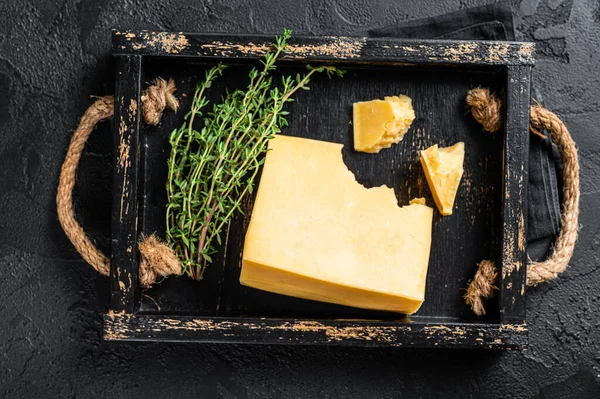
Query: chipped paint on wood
point(124, 289)
point(326, 48)
point(521, 234)
point(514, 327)
point(118, 323)
point(526, 52)
point(334, 47)
point(514, 235)
point(175, 43)
point(336, 333)
point(132, 107)
point(497, 52)
point(464, 51)
point(124, 226)
point(123, 145)
point(508, 269)
point(445, 332)
point(123, 165)
point(121, 326)
point(228, 49)
point(511, 260)
point(170, 43)
point(112, 314)
point(437, 329)
point(124, 158)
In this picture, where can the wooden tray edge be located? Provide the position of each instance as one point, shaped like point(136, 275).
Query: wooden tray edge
point(324, 48)
point(152, 328)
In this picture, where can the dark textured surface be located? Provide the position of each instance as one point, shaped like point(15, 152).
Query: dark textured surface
point(53, 55)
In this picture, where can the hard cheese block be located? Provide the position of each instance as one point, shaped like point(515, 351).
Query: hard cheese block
point(316, 233)
point(380, 123)
point(443, 169)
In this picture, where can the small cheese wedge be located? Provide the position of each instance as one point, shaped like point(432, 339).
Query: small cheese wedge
point(443, 169)
point(316, 233)
point(380, 123)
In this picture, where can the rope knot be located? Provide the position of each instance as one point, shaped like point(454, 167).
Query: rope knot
point(481, 287)
point(157, 97)
point(157, 260)
point(486, 108)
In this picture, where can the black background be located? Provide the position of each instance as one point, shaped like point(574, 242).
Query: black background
point(55, 54)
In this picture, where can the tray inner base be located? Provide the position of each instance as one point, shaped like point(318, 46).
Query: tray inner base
point(459, 242)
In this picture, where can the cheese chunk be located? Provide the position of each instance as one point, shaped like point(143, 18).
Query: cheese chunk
point(380, 123)
point(316, 233)
point(443, 169)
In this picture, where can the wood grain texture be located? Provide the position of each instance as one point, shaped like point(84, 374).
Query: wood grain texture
point(124, 327)
point(325, 48)
point(124, 256)
point(513, 257)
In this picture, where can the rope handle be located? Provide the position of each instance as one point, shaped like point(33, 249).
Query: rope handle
point(156, 258)
point(487, 110)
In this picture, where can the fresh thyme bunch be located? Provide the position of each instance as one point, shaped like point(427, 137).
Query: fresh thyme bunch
point(212, 167)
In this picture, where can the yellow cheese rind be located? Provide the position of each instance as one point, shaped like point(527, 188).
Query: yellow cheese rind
point(443, 169)
point(380, 123)
point(276, 280)
point(316, 233)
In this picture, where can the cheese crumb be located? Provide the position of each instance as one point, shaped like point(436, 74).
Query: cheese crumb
point(418, 201)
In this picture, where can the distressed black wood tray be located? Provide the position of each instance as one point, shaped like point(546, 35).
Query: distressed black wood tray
point(488, 220)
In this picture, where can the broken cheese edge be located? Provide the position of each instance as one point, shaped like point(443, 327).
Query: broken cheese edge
point(380, 123)
point(419, 200)
point(443, 169)
point(316, 233)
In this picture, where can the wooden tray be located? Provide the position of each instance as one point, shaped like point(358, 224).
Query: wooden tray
point(488, 221)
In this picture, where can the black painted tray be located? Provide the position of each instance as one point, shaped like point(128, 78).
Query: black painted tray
point(488, 220)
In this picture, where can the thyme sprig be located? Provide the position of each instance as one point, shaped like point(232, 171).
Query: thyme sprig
point(212, 168)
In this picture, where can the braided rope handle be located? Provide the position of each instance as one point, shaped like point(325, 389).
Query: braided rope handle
point(102, 109)
point(538, 272)
point(156, 258)
point(486, 108)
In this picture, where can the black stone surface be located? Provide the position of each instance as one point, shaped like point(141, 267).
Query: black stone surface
point(54, 54)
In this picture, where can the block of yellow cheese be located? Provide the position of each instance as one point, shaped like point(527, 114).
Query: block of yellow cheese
point(443, 169)
point(380, 123)
point(316, 233)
